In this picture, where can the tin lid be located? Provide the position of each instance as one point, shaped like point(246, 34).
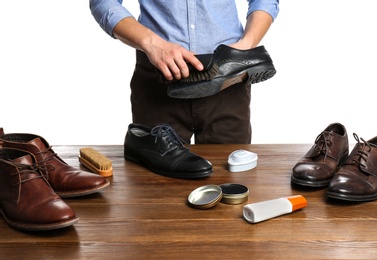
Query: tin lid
point(234, 193)
point(205, 197)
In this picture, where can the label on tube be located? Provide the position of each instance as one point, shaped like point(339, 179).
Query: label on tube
point(260, 211)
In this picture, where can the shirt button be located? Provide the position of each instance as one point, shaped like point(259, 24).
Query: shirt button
point(192, 26)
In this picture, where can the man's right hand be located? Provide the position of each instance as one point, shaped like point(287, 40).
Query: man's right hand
point(170, 58)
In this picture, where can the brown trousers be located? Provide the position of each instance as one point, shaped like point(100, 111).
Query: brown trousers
point(223, 118)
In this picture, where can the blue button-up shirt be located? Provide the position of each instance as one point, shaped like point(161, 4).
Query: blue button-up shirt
point(197, 25)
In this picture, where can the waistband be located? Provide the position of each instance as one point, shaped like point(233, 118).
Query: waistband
point(142, 60)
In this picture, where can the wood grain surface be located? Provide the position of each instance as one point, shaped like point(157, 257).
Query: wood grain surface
point(143, 215)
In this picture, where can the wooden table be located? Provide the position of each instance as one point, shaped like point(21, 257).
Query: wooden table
point(145, 216)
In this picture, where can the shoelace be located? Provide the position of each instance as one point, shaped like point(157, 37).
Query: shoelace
point(49, 154)
point(28, 170)
point(360, 153)
point(167, 133)
point(323, 140)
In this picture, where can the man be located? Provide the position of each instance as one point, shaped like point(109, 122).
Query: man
point(169, 34)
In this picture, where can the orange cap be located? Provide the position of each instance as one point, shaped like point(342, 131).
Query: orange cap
point(298, 202)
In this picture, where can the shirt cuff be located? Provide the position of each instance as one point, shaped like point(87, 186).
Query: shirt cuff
point(107, 17)
point(272, 9)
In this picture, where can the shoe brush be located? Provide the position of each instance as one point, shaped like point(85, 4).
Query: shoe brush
point(208, 73)
point(96, 162)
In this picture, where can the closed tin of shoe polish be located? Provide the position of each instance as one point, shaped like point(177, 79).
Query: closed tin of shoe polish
point(242, 160)
point(205, 197)
point(234, 193)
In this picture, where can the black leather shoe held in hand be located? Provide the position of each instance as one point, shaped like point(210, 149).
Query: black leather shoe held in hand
point(160, 150)
point(230, 66)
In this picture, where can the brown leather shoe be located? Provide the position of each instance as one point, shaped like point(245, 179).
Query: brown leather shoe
point(318, 166)
point(27, 202)
point(357, 179)
point(64, 179)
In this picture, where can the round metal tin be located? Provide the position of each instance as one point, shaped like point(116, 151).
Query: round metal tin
point(234, 193)
point(205, 196)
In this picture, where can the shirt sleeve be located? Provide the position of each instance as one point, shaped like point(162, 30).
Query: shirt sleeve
point(108, 13)
point(269, 6)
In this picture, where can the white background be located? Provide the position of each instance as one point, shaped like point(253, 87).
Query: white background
point(63, 78)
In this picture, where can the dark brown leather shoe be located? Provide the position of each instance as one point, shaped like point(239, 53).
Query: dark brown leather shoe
point(27, 201)
point(357, 179)
point(64, 179)
point(329, 152)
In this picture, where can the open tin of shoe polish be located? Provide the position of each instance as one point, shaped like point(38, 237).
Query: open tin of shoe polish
point(205, 197)
point(208, 196)
point(234, 193)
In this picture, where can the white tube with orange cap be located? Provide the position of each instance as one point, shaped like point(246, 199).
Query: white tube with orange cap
point(260, 211)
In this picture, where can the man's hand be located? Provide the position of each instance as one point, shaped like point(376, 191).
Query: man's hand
point(171, 59)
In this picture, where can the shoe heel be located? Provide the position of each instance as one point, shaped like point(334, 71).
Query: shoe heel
point(262, 72)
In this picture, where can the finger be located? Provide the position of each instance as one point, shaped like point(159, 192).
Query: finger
point(194, 62)
point(182, 65)
point(171, 71)
point(175, 70)
point(166, 72)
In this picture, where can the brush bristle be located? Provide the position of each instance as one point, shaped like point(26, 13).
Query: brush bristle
point(95, 158)
point(197, 76)
point(205, 75)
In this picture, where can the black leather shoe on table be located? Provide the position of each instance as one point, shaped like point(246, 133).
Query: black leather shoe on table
point(160, 150)
point(232, 66)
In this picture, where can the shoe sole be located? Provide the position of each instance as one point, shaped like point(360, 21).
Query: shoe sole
point(317, 184)
point(83, 192)
point(253, 75)
point(187, 175)
point(356, 198)
point(39, 227)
